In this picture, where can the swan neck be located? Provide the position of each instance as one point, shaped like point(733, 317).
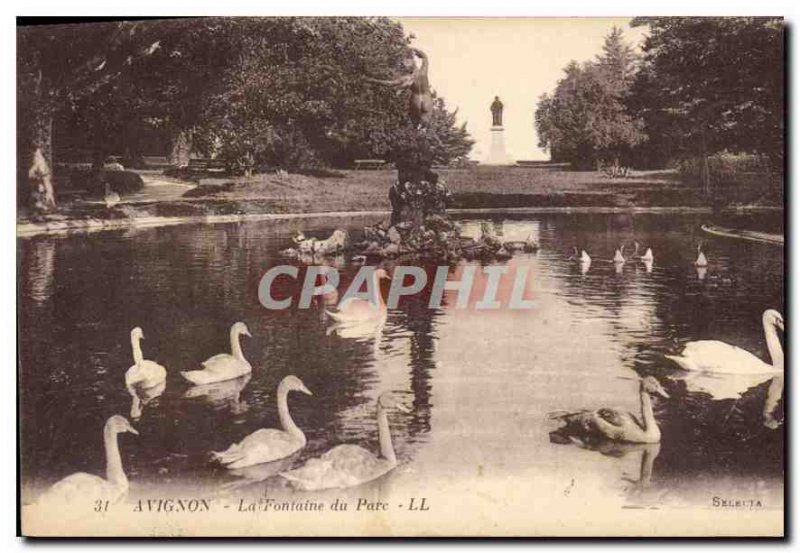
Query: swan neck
point(385, 437)
point(236, 346)
point(648, 418)
point(136, 405)
point(114, 473)
point(773, 344)
point(287, 423)
point(649, 455)
point(136, 345)
point(376, 282)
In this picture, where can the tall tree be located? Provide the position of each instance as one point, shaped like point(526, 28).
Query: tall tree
point(586, 119)
point(297, 94)
point(713, 84)
point(58, 66)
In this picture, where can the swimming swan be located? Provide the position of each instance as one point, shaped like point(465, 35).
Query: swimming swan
point(719, 357)
point(143, 374)
point(582, 258)
point(81, 487)
point(646, 257)
point(613, 424)
point(223, 366)
point(619, 256)
point(358, 309)
point(269, 444)
point(110, 197)
point(349, 465)
point(701, 260)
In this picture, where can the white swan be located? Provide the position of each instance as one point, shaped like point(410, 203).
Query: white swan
point(269, 444)
point(619, 256)
point(701, 260)
point(358, 309)
point(648, 254)
point(721, 386)
point(111, 198)
point(82, 487)
point(350, 465)
point(582, 258)
point(612, 424)
point(223, 366)
point(143, 374)
point(718, 357)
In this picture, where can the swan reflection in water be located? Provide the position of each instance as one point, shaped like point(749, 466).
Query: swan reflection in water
point(254, 474)
point(362, 331)
point(141, 396)
point(774, 395)
point(701, 272)
point(639, 492)
point(222, 395)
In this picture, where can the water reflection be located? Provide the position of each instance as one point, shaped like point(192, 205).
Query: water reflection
point(142, 396)
point(774, 396)
point(226, 394)
point(480, 383)
point(38, 264)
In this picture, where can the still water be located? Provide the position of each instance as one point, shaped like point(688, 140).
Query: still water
point(479, 383)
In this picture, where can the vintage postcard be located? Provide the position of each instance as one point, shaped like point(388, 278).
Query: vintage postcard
point(372, 276)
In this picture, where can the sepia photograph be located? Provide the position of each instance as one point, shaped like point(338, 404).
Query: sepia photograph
point(306, 276)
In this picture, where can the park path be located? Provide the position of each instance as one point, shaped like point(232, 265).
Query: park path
point(157, 188)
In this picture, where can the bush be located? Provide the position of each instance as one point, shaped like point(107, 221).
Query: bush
point(121, 182)
point(724, 168)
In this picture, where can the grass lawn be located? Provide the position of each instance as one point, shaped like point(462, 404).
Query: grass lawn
point(472, 188)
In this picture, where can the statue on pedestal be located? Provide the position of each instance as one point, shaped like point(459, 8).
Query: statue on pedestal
point(497, 112)
point(420, 103)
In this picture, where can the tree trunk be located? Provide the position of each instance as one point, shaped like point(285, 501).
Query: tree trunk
point(705, 176)
point(39, 161)
point(249, 164)
point(181, 149)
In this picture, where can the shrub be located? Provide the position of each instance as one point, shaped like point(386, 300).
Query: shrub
point(725, 168)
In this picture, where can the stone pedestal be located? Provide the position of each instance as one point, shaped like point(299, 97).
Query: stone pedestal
point(497, 151)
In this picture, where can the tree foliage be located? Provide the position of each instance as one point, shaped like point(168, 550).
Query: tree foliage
point(586, 119)
point(255, 92)
point(57, 68)
point(713, 84)
point(702, 86)
point(296, 96)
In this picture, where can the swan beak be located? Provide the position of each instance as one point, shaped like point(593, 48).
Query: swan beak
point(247, 333)
point(402, 408)
point(306, 391)
point(132, 430)
point(662, 392)
point(780, 324)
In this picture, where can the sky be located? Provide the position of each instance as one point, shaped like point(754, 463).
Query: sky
point(472, 60)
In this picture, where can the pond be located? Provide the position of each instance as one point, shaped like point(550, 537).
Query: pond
point(479, 384)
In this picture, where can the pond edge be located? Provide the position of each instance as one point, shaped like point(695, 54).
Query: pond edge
point(28, 229)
